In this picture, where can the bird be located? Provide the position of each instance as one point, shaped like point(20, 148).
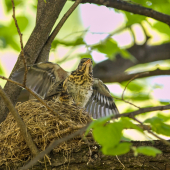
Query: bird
point(48, 79)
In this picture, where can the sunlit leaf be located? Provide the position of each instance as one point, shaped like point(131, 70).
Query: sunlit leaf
point(8, 4)
point(164, 117)
point(159, 126)
point(120, 149)
point(109, 135)
point(108, 47)
point(148, 150)
point(98, 122)
point(162, 27)
point(127, 124)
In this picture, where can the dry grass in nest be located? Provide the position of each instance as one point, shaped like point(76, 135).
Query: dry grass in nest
point(44, 127)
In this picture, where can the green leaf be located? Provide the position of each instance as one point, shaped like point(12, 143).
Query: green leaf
point(162, 27)
point(159, 126)
point(134, 86)
point(98, 122)
point(85, 55)
point(127, 124)
point(109, 135)
point(108, 47)
point(148, 150)
point(133, 18)
point(9, 4)
point(22, 23)
point(14, 44)
point(120, 149)
point(164, 117)
point(76, 42)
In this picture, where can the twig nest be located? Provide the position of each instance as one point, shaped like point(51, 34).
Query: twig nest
point(43, 125)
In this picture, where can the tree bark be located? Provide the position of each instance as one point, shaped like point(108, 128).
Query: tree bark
point(86, 158)
point(108, 69)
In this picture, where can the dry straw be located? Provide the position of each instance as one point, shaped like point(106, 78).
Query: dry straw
point(44, 127)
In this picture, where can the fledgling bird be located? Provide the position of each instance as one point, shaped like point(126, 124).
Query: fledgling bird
point(79, 86)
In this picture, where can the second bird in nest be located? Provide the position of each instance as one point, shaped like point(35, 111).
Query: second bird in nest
point(80, 87)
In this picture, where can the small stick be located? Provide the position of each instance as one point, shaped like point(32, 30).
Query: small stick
point(21, 43)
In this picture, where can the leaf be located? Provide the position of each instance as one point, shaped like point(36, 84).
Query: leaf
point(148, 150)
point(133, 18)
point(159, 126)
point(8, 4)
point(134, 86)
point(108, 136)
point(163, 117)
point(162, 27)
point(85, 55)
point(22, 23)
point(98, 122)
point(76, 42)
point(108, 47)
point(127, 124)
point(120, 149)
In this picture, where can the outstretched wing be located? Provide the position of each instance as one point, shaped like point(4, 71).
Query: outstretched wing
point(41, 76)
point(101, 102)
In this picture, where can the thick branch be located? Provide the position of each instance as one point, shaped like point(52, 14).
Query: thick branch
point(143, 110)
point(133, 8)
point(86, 157)
point(125, 77)
point(46, 49)
point(24, 131)
point(108, 69)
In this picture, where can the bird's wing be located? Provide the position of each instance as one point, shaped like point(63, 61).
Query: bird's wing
point(101, 102)
point(41, 76)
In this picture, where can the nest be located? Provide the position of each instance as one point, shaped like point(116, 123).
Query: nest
point(43, 126)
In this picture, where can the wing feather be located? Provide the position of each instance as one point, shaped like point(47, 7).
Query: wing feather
point(41, 77)
point(104, 103)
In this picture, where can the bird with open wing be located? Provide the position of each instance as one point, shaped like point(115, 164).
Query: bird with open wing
point(79, 86)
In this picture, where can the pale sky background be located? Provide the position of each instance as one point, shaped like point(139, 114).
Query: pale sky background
point(96, 21)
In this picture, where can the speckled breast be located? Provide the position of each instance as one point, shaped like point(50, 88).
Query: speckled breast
point(80, 89)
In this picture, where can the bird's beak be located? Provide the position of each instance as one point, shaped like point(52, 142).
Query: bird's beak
point(88, 62)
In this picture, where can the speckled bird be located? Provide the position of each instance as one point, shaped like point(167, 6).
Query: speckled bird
point(79, 86)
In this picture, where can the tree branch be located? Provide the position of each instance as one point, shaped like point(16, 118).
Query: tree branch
point(46, 49)
point(24, 131)
point(133, 8)
point(108, 69)
point(142, 110)
point(125, 76)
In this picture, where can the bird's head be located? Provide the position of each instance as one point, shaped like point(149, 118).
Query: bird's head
point(85, 66)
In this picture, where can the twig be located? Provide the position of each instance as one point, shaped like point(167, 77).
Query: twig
point(126, 102)
point(122, 97)
point(142, 110)
point(23, 129)
point(120, 162)
point(51, 146)
point(131, 81)
point(62, 21)
point(39, 99)
point(21, 43)
point(149, 131)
